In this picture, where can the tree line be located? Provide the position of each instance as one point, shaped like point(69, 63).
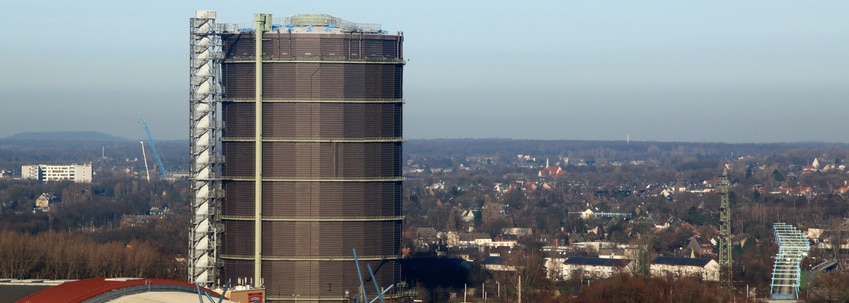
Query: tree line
point(56, 255)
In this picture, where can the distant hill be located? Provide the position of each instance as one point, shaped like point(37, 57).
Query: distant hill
point(61, 140)
point(76, 136)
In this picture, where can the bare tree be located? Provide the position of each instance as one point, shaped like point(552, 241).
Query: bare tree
point(832, 286)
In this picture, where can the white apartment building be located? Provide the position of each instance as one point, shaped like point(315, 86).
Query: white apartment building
point(587, 268)
point(705, 269)
point(79, 173)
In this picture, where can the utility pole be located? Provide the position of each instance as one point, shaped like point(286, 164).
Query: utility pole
point(520, 289)
point(725, 236)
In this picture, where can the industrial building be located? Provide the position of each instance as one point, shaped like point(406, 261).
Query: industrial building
point(115, 290)
point(79, 173)
point(296, 129)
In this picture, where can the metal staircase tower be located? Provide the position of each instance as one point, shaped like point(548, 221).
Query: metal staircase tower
point(204, 131)
point(725, 261)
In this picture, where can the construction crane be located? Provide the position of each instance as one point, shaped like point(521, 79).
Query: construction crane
point(144, 157)
point(162, 172)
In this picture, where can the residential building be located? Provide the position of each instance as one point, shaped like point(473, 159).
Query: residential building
point(588, 268)
point(705, 269)
point(42, 203)
point(79, 173)
point(494, 262)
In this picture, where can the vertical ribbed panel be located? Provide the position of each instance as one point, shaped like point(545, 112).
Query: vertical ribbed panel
point(238, 159)
point(239, 242)
point(337, 199)
point(315, 46)
point(238, 196)
point(331, 160)
point(238, 119)
point(319, 120)
point(315, 81)
point(332, 281)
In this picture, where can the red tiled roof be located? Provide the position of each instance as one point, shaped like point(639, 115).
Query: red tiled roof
point(79, 291)
point(552, 171)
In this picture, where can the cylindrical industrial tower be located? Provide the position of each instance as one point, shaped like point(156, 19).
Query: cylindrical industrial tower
point(311, 145)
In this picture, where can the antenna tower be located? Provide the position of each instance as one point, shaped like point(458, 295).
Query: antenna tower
point(724, 236)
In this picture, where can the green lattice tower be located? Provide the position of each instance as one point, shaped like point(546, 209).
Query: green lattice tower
point(724, 235)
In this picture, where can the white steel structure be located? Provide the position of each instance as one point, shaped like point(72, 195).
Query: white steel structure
point(205, 54)
point(793, 245)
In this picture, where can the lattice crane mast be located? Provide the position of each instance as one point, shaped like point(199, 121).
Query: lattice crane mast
point(162, 172)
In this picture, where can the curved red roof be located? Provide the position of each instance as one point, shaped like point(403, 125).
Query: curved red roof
point(81, 290)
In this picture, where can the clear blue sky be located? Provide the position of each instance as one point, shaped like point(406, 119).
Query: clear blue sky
point(716, 71)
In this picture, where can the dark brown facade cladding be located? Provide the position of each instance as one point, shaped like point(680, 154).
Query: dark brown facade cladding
point(331, 161)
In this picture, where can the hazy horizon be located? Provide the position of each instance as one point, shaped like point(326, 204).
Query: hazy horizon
point(752, 72)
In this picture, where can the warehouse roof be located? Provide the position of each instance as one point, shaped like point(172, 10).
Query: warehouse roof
point(120, 289)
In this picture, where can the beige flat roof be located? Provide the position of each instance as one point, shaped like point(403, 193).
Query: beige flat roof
point(162, 297)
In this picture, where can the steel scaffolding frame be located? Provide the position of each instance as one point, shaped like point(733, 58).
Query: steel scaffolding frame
point(204, 96)
point(786, 274)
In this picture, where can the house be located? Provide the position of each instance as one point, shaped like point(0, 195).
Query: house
point(549, 170)
point(805, 190)
point(594, 246)
point(529, 186)
point(667, 193)
point(503, 240)
point(467, 216)
point(815, 234)
point(517, 231)
point(620, 251)
point(494, 262)
point(43, 201)
point(698, 247)
point(590, 268)
point(426, 233)
point(705, 269)
point(468, 239)
point(844, 189)
point(426, 236)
